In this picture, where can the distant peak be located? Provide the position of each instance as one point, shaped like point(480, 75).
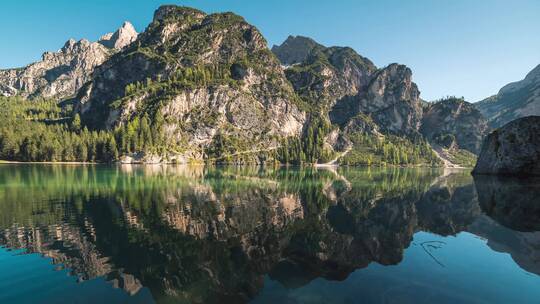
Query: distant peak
point(533, 77)
point(127, 26)
point(300, 41)
point(70, 43)
point(534, 73)
point(295, 49)
point(125, 35)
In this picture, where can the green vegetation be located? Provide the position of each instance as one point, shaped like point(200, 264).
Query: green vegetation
point(41, 130)
point(47, 132)
point(389, 150)
point(310, 148)
point(462, 157)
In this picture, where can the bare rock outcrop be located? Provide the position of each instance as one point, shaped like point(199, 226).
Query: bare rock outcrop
point(513, 149)
point(453, 122)
point(393, 100)
point(118, 40)
point(61, 74)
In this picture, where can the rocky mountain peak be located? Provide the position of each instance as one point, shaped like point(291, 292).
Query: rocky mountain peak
point(454, 123)
point(211, 78)
point(534, 74)
point(69, 44)
point(61, 74)
point(125, 35)
point(165, 12)
point(323, 75)
point(73, 46)
point(295, 49)
point(514, 100)
point(396, 71)
point(533, 77)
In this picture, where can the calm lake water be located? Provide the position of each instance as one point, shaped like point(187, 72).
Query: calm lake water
point(165, 234)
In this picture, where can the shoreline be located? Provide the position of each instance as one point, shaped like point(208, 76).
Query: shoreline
point(13, 162)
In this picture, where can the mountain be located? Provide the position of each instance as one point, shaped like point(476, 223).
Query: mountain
point(323, 75)
point(343, 85)
point(515, 100)
point(206, 87)
point(392, 99)
point(454, 123)
point(356, 98)
point(208, 82)
point(61, 74)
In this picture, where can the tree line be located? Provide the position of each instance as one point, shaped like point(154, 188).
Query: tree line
point(39, 130)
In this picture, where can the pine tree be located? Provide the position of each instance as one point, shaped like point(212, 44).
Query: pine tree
point(76, 123)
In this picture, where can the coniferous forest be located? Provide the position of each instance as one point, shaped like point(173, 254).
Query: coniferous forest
point(43, 130)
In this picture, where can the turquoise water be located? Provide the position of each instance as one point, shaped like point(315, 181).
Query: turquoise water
point(30, 278)
point(469, 272)
point(164, 234)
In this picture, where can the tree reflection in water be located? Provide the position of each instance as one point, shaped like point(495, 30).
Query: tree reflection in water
point(210, 235)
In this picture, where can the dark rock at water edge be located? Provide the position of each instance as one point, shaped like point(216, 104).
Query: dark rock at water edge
point(514, 149)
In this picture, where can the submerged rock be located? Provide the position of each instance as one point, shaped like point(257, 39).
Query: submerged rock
point(513, 149)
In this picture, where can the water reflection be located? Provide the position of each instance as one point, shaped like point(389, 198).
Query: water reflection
point(210, 235)
point(514, 203)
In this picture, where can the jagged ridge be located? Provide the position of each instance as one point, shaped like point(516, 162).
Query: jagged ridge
point(61, 74)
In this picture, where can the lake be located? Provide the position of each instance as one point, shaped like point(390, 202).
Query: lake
point(180, 234)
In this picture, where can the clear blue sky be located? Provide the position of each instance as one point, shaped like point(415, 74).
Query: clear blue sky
point(465, 48)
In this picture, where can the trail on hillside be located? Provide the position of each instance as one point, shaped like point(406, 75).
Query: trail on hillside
point(333, 162)
point(247, 152)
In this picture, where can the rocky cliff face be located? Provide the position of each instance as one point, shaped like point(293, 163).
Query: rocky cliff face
point(393, 100)
point(343, 85)
point(454, 123)
point(513, 149)
point(323, 76)
point(209, 77)
point(350, 93)
point(61, 74)
point(515, 100)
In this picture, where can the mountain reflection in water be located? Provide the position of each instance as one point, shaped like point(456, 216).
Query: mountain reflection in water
point(216, 235)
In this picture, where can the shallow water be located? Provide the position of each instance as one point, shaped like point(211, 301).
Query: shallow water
point(135, 234)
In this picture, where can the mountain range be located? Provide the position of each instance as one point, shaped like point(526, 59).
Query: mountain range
point(61, 74)
point(205, 87)
point(515, 100)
